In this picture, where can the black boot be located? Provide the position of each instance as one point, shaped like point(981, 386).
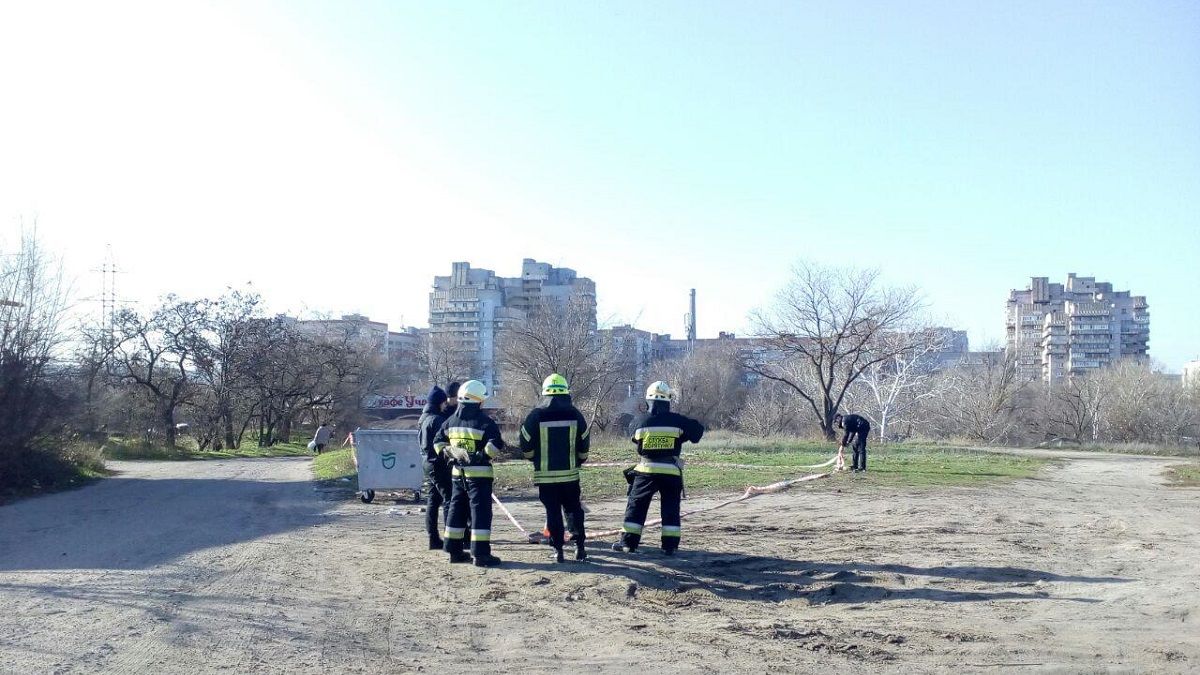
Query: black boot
point(580, 551)
point(558, 554)
point(487, 560)
point(460, 557)
point(435, 543)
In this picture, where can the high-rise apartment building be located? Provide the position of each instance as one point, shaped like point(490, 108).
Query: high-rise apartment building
point(470, 309)
point(1057, 330)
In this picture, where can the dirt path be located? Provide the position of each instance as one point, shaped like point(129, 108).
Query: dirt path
point(241, 566)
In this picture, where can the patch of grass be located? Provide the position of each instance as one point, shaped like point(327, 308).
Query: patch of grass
point(1183, 475)
point(139, 449)
point(123, 448)
point(915, 465)
point(335, 465)
point(918, 465)
point(293, 449)
point(900, 466)
point(46, 470)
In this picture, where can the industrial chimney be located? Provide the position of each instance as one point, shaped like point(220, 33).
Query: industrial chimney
point(691, 317)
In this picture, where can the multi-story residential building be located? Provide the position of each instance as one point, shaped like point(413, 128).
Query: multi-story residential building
point(404, 346)
point(1057, 330)
point(635, 350)
point(543, 283)
point(400, 349)
point(470, 309)
point(667, 348)
point(353, 328)
point(954, 348)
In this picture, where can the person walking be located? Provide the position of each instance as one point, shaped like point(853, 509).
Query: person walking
point(321, 438)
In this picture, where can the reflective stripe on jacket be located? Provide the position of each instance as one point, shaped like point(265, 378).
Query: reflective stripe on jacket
point(469, 440)
point(554, 437)
point(660, 435)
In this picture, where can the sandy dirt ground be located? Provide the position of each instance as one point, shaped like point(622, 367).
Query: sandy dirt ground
point(247, 566)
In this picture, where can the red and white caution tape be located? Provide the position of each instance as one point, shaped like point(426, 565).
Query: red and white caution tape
point(723, 465)
point(509, 514)
point(752, 491)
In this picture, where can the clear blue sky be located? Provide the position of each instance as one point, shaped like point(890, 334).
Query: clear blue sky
point(655, 147)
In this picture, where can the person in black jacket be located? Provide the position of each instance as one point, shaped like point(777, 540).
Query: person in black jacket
point(858, 428)
point(438, 407)
point(659, 435)
point(469, 440)
point(554, 437)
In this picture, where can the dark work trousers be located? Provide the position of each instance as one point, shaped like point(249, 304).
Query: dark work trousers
point(669, 489)
point(437, 497)
point(859, 458)
point(470, 500)
point(559, 497)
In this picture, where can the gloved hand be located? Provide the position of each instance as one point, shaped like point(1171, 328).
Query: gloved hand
point(460, 455)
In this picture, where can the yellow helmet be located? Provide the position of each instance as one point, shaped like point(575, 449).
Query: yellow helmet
point(472, 391)
point(555, 385)
point(659, 391)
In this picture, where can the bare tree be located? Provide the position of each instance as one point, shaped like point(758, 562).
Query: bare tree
point(92, 358)
point(892, 390)
point(1143, 405)
point(297, 374)
point(768, 410)
point(558, 338)
point(157, 353)
point(33, 301)
point(280, 372)
point(224, 346)
point(981, 401)
point(443, 360)
point(825, 329)
point(708, 384)
point(1072, 408)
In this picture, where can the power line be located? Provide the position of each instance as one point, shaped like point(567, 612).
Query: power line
point(108, 299)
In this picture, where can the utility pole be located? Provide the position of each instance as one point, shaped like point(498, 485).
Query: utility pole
point(108, 304)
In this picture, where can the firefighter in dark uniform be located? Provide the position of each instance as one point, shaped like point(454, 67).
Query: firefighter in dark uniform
point(856, 428)
point(554, 437)
point(659, 435)
point(438, 406)
point(469, 440)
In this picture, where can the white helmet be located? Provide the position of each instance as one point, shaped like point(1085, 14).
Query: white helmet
point(472, 391)
point(659, 391)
